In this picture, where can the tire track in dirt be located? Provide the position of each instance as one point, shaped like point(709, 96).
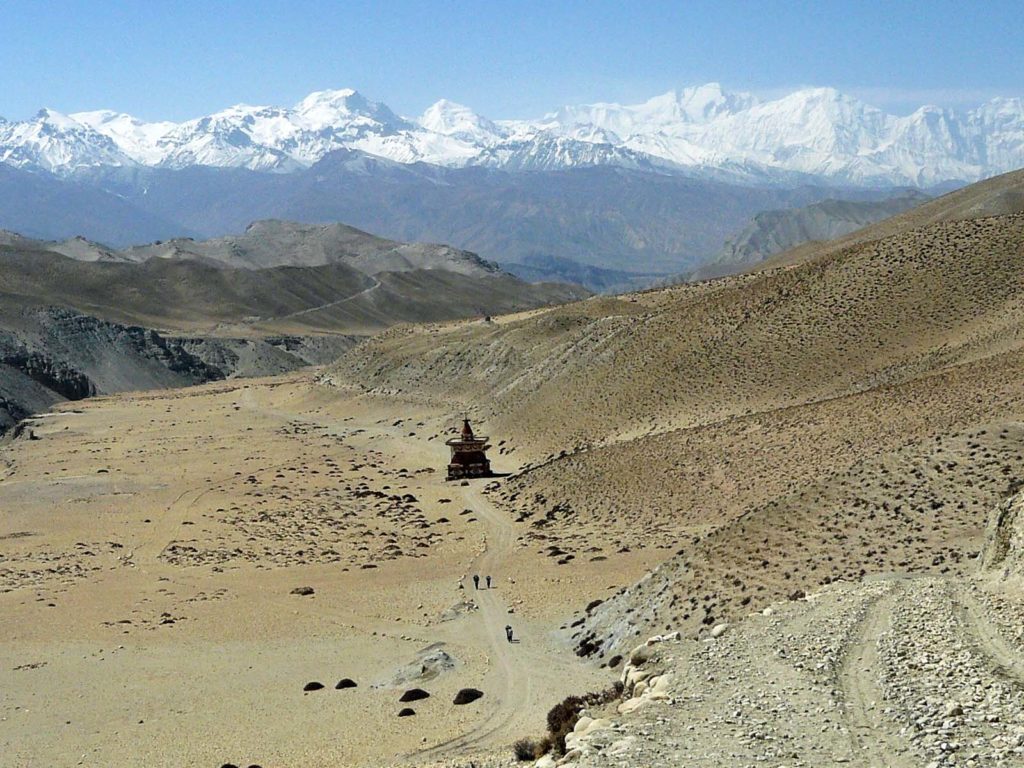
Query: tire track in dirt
point(874, 737)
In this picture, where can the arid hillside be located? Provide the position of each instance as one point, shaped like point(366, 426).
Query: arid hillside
point(857, 413)
point(998, 196)
point(612, 369)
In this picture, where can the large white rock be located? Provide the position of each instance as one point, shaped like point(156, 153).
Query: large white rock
point(631, 705)
point(582, 723)
point(598, 725)
point(570, 756)
point(661, 682)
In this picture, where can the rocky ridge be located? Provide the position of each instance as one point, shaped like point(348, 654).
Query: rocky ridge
point(53, 354)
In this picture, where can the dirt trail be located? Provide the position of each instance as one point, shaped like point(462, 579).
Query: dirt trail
point(872, 733)
point(339, 302)
point(514, 669)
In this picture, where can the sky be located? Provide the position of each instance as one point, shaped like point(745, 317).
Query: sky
point(164, 60)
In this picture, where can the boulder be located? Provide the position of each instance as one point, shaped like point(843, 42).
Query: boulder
point(640, 656)
point(303, 591)
point(570, 756)
point(631, 705)
point(406, 712)
point(658, 689)
point(345, 682)
point(719, 629)
point(313, 686)
point(467, 696)
point(413, 694)
point(582, 723)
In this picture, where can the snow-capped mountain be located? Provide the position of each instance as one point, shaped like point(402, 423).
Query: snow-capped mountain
point(57, 143)
point(703, 131)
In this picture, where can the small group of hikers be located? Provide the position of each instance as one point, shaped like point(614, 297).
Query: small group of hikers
point(487, 581)
point(476, 581)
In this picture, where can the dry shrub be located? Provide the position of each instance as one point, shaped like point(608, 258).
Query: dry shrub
point(525, 749)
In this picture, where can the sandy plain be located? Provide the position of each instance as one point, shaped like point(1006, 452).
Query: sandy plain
point(149, 549)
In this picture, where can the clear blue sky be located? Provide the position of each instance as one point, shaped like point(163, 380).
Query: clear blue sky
point(175, 60)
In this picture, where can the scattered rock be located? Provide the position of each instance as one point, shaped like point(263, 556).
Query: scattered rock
point(345, 682)
point(407, 712)
point(302, 591)
point(313, 686)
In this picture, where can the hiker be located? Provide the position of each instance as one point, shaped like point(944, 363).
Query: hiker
point(488, 582)
point(508, 632)
point(476, 581)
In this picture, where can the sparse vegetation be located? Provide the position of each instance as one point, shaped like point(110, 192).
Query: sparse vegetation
point(562, 718)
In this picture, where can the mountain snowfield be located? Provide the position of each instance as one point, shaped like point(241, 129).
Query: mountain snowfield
point(809, 134)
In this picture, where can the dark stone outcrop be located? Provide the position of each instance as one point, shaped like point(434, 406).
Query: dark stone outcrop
point(467, 696)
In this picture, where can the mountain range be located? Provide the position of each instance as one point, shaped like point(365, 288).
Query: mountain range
point(810, 134)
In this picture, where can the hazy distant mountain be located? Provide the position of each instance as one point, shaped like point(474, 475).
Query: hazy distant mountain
point(608, 217)
point(704, 131)
point(773, 232)
point(39, 204)
point(276, 277)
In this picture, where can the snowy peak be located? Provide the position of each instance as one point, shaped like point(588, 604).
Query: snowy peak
point(450, 119)
point(699, 104)
point(137, 139)
point(326, 109)
point(56, 142)
point(667, 113)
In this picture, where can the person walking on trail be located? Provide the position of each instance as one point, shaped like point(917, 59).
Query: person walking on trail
point(488, 582)
point(508, 632)
point(476, 581)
